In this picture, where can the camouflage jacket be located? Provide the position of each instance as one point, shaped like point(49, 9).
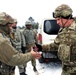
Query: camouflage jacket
point(65, 42)
point(9, 55)
point(4, 68)
point(18, 39)
point(30, 36)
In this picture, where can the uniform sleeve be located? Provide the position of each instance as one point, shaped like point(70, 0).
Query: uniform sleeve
point(10, 56)
point(52, 46)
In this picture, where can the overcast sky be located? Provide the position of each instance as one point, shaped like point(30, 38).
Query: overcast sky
point(38, 9)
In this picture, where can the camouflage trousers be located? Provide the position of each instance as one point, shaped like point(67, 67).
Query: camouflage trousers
point(22, 68)
point(12, 73)
point(28, 48)
point(68, 70)
point(6, 69)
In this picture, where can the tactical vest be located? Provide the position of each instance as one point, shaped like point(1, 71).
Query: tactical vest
point(29, 36)
point(67, 47)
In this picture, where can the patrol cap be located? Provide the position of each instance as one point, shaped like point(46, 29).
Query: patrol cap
point(5, 18)
point(62, 11)
point(28, 23)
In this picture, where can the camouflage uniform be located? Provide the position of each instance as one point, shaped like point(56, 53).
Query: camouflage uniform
point(65, 41)
point(4, 68)
point(8, 55)
point(18, 41)
point(31, 38)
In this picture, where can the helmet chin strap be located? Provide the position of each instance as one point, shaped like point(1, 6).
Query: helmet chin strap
point(63, 24)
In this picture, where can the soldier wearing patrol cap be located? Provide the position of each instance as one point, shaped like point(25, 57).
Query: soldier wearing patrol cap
point(65, 41)
point(8, 54)
point(31, 38)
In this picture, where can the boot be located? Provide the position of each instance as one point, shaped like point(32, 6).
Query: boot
point(34, 68)
point(23, 73)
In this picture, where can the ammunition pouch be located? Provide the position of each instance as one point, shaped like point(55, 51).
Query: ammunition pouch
point(64, 52)
point(70, 69)
point(73, 53)
point(67, 53)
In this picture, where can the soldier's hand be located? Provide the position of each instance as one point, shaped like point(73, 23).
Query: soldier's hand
point(36, 55)
point(23, 49)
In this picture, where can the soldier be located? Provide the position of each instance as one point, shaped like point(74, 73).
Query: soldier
point(18, 42)
point(8, 54)
point(31, 38)
point(65, 41)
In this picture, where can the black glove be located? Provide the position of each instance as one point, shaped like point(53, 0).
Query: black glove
point(39, 47)
point(23, 49)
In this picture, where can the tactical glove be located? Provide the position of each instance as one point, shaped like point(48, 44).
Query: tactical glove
point(23, 49)
point(39, 47)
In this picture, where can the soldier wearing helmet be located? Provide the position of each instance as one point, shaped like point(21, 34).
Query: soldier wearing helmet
point(65, 41)
point(63, 11)
point(8, 54)
point(18, 42)
point(31, 38)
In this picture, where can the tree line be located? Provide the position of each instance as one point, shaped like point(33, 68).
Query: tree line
point(34, 26)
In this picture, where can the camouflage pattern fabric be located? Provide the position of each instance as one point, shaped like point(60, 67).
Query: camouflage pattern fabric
point(62, 10)
point(31, 39)
point(30, 36)
point(9, 55)
point(15, 20)
point(18, 41)
point(28, 23)
point(6, 69)
point(66, 44)
point(5, 18)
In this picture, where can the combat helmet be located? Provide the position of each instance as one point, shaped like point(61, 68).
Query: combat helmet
point(5, 18)
point(15, 20)
point(62, 11)
point(28, 23)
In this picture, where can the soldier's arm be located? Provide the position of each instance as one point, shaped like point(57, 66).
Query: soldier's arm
point(51, 46)
point(11, 56)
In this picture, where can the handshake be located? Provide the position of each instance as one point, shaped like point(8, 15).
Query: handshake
point(37, 48)
point(36, 51)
